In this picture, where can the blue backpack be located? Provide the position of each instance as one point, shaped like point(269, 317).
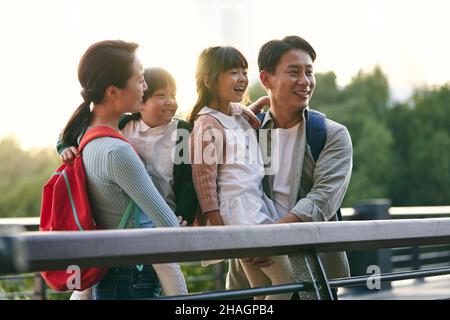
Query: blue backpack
point(316, 136)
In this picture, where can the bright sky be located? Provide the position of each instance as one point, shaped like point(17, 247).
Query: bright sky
point(43, 40)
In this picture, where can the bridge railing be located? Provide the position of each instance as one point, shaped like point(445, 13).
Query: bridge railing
point(34, 251)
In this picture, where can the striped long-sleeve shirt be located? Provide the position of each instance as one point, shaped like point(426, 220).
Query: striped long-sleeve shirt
point(115, 174)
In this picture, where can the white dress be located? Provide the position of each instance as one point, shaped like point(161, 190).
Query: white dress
point(241, 197)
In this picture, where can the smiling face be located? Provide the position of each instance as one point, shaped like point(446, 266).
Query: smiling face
point(130, 97)
point(160, 107)
point(231, 86)
point(292, 84)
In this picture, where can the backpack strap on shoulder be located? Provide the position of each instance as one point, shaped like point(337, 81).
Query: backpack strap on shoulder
point(261, 116)
point(316, 132)
point(98, 132)
point(316, 137)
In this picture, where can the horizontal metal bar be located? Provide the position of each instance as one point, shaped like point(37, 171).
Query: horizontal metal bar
point(19, 277)
point(31, 222)
point(354, 281)
point(243, 293)
point(388, 277)
point(431, 210)
point(34, 251)
point(25, 222)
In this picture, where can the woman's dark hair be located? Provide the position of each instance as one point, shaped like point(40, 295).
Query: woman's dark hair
point(156, 79)
point(271, 52)
point(211, 63)
point(103, 64)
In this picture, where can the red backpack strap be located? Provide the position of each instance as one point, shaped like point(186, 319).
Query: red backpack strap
point(97, 132)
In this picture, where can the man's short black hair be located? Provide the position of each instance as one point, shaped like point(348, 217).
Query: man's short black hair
point(271, 52)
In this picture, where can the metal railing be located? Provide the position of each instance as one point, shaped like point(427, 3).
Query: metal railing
point(33, 251)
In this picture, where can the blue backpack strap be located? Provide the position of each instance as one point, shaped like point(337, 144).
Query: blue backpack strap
point(316, 132)
point(261, 116)
point(316, 137)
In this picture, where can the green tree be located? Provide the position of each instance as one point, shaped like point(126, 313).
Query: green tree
point(326, 91)
point(420, 130)
point(373, 87)
point(23, 176)
point(256, 90)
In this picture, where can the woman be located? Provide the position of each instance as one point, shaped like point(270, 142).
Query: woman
point(112, 80)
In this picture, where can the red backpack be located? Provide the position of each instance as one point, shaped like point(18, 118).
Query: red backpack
point(65, 207)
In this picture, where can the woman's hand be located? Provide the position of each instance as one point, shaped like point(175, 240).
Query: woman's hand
point(69, 154)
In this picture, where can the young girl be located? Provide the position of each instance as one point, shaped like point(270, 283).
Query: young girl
point(156, 136)
point(226, 162)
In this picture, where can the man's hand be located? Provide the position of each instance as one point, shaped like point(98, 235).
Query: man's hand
point(259, 262)
point(289, 218)
point(69, 154)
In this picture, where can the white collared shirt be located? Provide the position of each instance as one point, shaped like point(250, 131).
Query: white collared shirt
point(155, 146)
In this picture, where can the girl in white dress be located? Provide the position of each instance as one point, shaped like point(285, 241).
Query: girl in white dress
point(227, 165)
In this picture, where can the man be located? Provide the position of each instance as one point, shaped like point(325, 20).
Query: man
point(306, 190)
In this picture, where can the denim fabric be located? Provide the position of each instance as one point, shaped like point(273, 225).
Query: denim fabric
point(145, 222)
point(126, 283)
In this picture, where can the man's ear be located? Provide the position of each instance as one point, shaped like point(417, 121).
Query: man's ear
point(264, 76)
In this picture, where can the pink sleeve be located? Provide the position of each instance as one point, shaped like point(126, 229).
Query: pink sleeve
point(207, 149)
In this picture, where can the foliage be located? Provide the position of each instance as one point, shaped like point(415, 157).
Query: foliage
point(401, 150)
point(22, 176)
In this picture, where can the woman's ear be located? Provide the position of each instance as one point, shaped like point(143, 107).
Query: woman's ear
point(111, 92)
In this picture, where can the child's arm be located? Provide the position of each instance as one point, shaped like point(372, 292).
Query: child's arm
point(214, 218)
point(68, 153)
point(259, 104)
point(204, 171)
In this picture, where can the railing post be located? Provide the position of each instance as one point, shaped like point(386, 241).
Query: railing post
point(39, 289)
point(308, 268)
point(376, 209)
point(415, 262)
point(219, 282)
point(8, 248)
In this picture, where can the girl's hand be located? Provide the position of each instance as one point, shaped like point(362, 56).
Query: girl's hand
point(183, 223)
point(69, 154)
point(259, 104)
